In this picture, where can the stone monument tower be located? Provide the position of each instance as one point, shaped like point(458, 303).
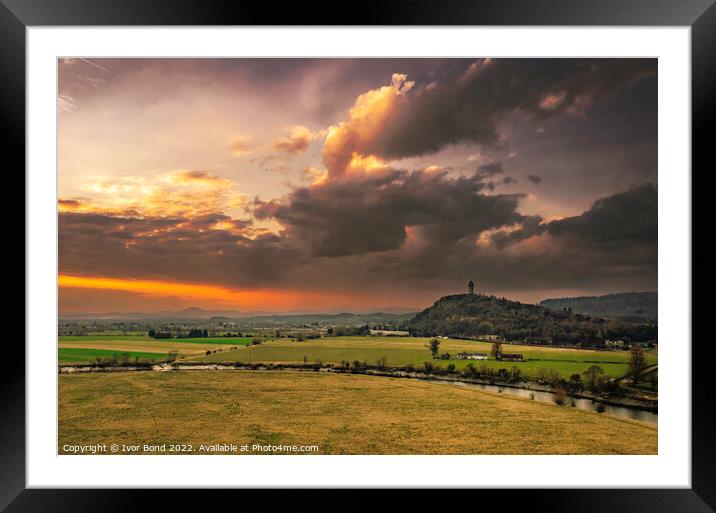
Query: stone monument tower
point(470, 288)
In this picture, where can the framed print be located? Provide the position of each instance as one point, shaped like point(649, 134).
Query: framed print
point(439, 247)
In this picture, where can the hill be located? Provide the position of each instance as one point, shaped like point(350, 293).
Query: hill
point(473, 315)
point(630, 306)
point(390, 314)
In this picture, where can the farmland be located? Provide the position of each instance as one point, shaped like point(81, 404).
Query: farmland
point(397, 351)
point(401, 351)
point(77, 349)
point(341, 414)
point(83, 355)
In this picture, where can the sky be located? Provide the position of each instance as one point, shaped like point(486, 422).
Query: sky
point(353, 184)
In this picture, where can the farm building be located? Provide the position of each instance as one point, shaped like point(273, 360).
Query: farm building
point(511, 357)
point(614, 343)
point(490, 338)
point(640, 344)
point(471, 356)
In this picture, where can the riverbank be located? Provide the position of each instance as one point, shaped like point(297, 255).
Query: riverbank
point(614, 401)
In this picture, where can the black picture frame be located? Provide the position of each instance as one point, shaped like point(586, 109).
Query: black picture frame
point(17, 15)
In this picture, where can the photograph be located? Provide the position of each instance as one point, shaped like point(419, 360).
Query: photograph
point(357, 256)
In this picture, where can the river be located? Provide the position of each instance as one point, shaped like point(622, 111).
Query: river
point(548, 397)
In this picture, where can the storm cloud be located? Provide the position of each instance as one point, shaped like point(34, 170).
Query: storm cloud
point(468, 108)
point(373, 212)
point(627, 218)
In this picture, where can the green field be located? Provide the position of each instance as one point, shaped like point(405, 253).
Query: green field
point(80, 355)
point(341, 414)
point(398, 352)
point(75, 349)
point(222, 341)
point(411, 351)
point(80, 338)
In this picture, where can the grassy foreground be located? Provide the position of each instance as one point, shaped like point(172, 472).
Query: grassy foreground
point(341, 414)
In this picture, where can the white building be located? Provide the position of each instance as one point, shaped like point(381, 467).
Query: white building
point(471, 356)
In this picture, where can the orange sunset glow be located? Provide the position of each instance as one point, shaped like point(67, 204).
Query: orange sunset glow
point(205, 294)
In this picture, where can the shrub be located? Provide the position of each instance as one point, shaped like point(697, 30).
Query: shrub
point(560, 397)
point(469, 371)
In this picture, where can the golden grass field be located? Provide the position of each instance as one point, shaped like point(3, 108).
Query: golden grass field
point(342, 414)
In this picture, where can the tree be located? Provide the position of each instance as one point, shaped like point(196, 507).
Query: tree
point(637, 363)
point(434, 346)
point(496, 349)
point(485, 328)
point(592, 374)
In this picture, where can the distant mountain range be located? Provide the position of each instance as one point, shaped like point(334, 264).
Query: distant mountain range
point(195, 313)
point(629, 306)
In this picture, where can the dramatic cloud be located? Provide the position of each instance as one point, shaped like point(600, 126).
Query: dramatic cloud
point(469, 108)
point(373, 211)
point(182, 192)
point(621, 222)
point(530, 226)
point(366, 122)
point(424, 179)
point(210, 248)
point(618, 221)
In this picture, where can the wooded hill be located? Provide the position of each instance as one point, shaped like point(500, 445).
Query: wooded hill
point(628, 306)
point(472, 315)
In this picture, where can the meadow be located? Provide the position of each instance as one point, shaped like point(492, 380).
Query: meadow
point(80, 355)
point(401, 351)
point(77, 349)
point(341, 414)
